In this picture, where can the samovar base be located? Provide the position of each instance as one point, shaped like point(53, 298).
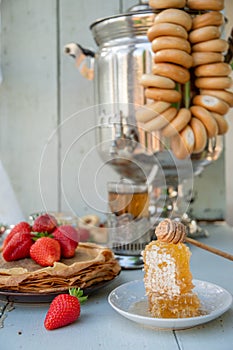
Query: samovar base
point(130, 262)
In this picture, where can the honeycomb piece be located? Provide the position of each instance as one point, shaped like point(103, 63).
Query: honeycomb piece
point(168, 280)
point(179, 306)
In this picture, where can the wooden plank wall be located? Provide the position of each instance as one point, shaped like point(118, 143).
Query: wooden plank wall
point(46, 109)
point(28, 96)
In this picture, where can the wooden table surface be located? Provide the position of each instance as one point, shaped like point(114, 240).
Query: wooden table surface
point(100, 327)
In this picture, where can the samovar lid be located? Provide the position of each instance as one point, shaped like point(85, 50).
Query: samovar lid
point(134, 22)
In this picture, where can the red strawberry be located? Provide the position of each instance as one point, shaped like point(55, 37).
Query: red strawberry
point(18, 247)
point(20, 227)
point(44, 223)
point(67, 236)
point(64, 309)
point(84, 234)
point(45, 251)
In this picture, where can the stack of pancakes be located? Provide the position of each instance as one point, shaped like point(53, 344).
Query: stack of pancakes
point(91, 265)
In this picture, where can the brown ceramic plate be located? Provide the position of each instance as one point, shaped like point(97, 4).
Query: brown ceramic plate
point(20, 297)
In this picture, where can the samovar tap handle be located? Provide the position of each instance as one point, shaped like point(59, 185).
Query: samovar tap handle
point(84, 59)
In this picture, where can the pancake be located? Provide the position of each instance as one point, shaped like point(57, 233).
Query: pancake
point(90, 265)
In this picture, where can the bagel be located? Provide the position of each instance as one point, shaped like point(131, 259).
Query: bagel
point(219, 69)
point(224, 95)
point(161, 120)
point(206, 118)
point(215, 45)
point(150, 111)
point(200, 58)
point(211, 103)
point(175, 16)
point(210, 82)
point(89, 220)
point(178, 123)
point(212, 18)
point(182, 144)
point(204, 34)
point(167, 95)
point(222, 123)
point(200, 135)
point(212, 5)
point(170, 42)
point(157, 81)
point(177, 73)
point(179, 57)
point(169, 29)
point(163, 4)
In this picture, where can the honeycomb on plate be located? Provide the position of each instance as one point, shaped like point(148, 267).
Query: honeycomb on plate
point(168, 280)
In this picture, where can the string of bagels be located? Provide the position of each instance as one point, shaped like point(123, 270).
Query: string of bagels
point(190, 80)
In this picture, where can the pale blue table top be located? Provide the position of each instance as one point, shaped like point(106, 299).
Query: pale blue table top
point(101, 327)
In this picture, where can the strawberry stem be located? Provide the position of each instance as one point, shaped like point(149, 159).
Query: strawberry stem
point(37, 235)
point(78, 293)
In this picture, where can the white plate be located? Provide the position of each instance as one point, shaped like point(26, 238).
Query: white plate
point(130, 301)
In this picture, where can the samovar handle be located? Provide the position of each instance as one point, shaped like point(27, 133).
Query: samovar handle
point(84, 59)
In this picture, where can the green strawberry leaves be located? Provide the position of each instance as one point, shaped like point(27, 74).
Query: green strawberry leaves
point(37, 235)
point(78, 293)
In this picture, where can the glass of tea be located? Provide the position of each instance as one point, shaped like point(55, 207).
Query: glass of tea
point(128, 220)
point(128, 198)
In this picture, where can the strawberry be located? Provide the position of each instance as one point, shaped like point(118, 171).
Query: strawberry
point(84, 234)
point(64, 309)
point(67, 236)
point(44, 223)
point(18, 247)
point(45, 251)
point(22, 226)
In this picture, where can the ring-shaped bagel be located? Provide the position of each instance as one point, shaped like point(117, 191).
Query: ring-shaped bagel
point(206, 118)
point(215, 45)
point(223, 125)
point(212, 18)
point(224, 95)
point(182, 144)
point(167, 95)
point(170, 29)
point(178, 123)
point(161, 120)
point(150, 111)
point(218, 69)
point(200, 58)
point(163, 4)
point(220, 83)
point(89, 220)
point(174, 16)
point(200, 134)
point(177, 73)
point(212, 5)
point(204, 34)
point(158, 81)
point(179, 57)
point(170, 42)
point(211, 103)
